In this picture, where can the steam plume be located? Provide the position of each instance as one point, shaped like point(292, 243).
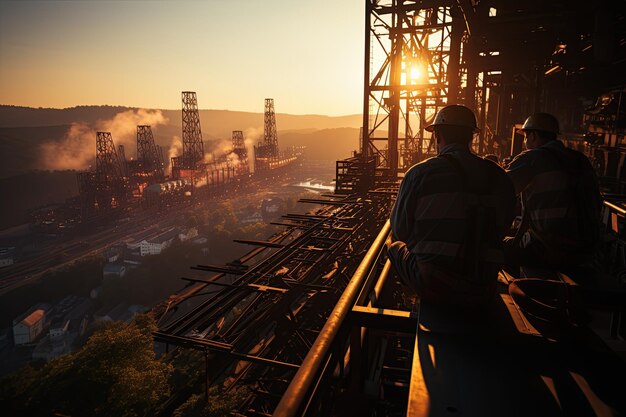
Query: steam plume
point(77, 149)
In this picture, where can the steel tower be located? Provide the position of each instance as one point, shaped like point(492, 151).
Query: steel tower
point(239, 147)
point(148, 154)
point(109, 168)
point(193, 148)
point(110, 181)
point(270, 136)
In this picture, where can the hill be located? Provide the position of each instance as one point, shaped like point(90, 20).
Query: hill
point(20, 147)
point(60, 139)
point(217, 123)
point(41, 149)
point(325, 144)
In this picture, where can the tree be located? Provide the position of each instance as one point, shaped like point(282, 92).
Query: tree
point(220, 404)
point(115, 373)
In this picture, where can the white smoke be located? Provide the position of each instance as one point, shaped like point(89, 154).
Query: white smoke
point(175, 148)
point(251, 137)
point(77, 149)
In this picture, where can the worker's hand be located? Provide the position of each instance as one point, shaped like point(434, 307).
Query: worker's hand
point(389, 241)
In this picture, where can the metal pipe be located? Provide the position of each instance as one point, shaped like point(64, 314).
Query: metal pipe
point(616, 208)
point(304, 379)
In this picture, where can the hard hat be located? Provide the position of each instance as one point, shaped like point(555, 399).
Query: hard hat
point(541, 121)
point(454, 115)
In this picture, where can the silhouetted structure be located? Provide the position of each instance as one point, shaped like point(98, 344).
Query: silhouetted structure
point(268, 148)
point(149, 154)
point(239, 149)
point(270, 136)
point(193, 147)
point(110, 178)
point(107, 187)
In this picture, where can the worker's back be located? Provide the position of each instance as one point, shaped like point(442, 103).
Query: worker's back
point(452, 212)
point(561, 202)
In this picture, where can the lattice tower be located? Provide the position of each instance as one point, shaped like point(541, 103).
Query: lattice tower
point(148, 153)
point(239, 147)
point(109, 168)
point(193, 148)
point(270, 136)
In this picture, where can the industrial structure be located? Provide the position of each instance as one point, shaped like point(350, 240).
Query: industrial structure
point(193, 146)
point(314, 322)
point(239, 146)
point(119, 184)
point(149, 154)
point(268, 148)
point(267, 155)
point(104, 190)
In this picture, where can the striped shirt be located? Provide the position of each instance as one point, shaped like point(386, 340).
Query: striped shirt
point(431, 211)
point(545, 178)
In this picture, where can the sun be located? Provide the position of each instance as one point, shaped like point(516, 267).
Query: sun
point(415, 74)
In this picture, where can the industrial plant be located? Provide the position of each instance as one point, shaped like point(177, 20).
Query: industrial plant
point(119, 184)
point(318, 318)
point(320, 325)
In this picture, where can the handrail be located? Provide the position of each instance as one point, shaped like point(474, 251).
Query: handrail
point(615, 207)
point(295, 395)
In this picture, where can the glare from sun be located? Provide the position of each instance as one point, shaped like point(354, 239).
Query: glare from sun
point(415, 74)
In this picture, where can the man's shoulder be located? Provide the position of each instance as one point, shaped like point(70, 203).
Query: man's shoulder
point(529, 154)
point(531, 158)
point(424, 167)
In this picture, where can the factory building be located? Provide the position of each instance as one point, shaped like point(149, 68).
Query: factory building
point(30, 325)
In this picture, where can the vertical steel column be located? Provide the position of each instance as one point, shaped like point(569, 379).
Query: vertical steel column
point(393, 103)
point(454, 63)
point(365, 145)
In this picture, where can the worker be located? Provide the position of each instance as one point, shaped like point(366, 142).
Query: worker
point(450, 216)
point(560, 227)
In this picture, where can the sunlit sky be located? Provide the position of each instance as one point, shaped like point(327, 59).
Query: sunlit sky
point(306, 54)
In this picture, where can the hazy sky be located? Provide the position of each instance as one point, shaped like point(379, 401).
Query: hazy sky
point(306, 54)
